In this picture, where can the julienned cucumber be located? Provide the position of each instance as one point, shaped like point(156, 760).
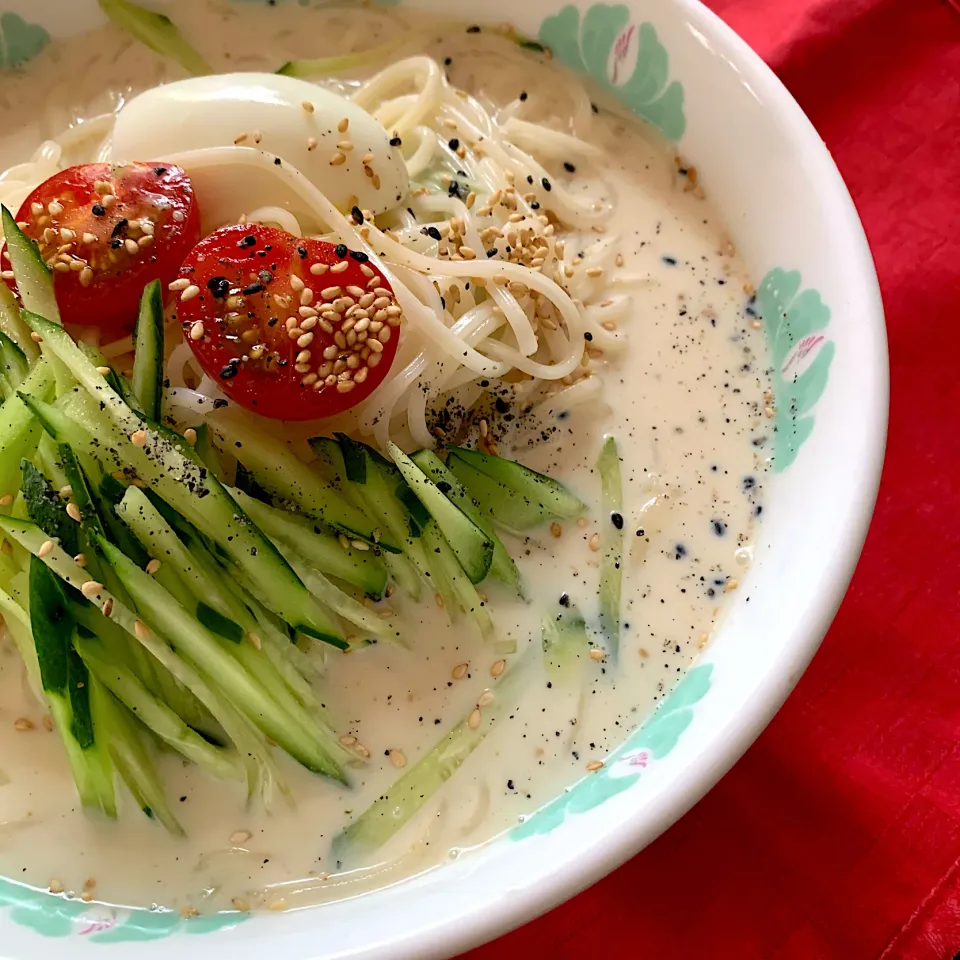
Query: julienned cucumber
point(509, 494)
point(19, 430)
point(566, 645)
point(302, 740)
point(147, 380)
point(283, 475)
point(144, 447)
point(502, 567)
point(157, 32)
point(34, 280)
point(403, 799)
point(360, 568)
point(13, 327)
point(473, 548)
point(611, 542)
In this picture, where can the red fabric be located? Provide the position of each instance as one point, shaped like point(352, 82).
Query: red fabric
point(837, 836)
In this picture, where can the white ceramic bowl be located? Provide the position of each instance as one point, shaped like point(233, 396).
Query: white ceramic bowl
point(791, 216)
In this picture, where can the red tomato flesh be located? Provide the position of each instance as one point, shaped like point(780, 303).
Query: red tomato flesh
point(291, 328)
point(106, 231)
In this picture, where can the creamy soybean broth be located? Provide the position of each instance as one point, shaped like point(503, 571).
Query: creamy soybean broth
point(686, 402)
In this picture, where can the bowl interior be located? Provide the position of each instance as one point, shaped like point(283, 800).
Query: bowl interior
point(783, 200)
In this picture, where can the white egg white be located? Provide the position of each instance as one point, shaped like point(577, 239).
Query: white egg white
point(283, 117)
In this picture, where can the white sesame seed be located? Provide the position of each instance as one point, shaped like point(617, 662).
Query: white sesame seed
point(343, 124)
point(138, 438)
point(473, 721)
point(308, 323)
point(340, 267)
point(330, 293)
point(338, 159)
point(152, 567)
point(240, 836)
point(318, 268)
point(597, 654)
point(190, 292)
point(303, 357)
point(86, 277)
point(307, 106)
point(141, 630)
point(73, 512)
point(145, 241)
point(131, 247)
point(305, 340)
point(36, 208)
point(306, 297)
point(197, 330)
point(45, 548)
point(180, 284)
point(296, 283)
point(308, 312)
point(397, 758)
point(497, 667)
point(90, 589)
point(345, 386)
point(35, 337)
point(485, 698)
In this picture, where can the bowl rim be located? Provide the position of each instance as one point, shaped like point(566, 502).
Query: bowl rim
point(801, 641)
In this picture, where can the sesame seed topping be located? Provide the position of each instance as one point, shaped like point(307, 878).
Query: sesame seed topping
point(338, 159)
point(45, 548)
point(91, 588)
point(141, 630)
point(197, 330)
point(73, 512)
point(178, 285)
point(138, 438)
point(307, 106)
point(473, 721)
point(319, 268)
point(597, 654)
point(497, 667)
point(22, 724)
point(343, 124)
point(594, 765)
point(339, 267)
point(397, 758)
point(152, 567)
point(311, 144)
point(189, 292)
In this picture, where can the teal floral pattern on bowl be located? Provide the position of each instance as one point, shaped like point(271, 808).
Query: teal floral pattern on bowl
point(57, 917)
point(655, 739)
point(603, 43)
point(800, 353)
point(20, 41)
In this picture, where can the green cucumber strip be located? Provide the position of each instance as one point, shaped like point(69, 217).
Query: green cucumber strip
point(163, 545)
point(147, 379)
point(333, 597)
point(399, 802)
point(284, 475)
point(330, 462)
point(471, 545)
point(48, 509)
point(280, 722)
point(247, 484)
point(131, 759)
point(17, 622)
point(611, 542)
point(323, 551)
point(53, 628)
point(566, 645)
point(14, 366)
point(251, 744)
point(154, 714)
point(13, 327)
point(19, 430)
point(157, 32)
point(444, 561)
point(34, 279)
point(207, 452)
point(175, 473)
point(510, 494)
point(502, 566)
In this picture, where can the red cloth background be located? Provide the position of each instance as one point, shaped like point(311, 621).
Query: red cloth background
point(837, 836)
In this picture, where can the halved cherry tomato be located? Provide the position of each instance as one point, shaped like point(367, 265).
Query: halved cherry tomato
point(107, 231)
point(291, 328)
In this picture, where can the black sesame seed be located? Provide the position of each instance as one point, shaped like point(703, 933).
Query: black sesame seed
point(119, 227)
point(301, 253)
point(159, 171)
point(357, 215)
point(229, 371)
point(116, 243)
point(359, 256)
point(453, 144)
point(564, 600)
point(534, 205)
point(248, 241)
point(588, 336)
point(433, 233)
point(98, 210)
point(252, 289)
point(569, 167)
point(277, 161)
point(473, 29)
point(617, 519)
point(395, 142)
point(219, 287)
point(523, 96)
point(492, 252)
point(546, 184)
point(719, 528)
point(669, 261)
point(680, 551)
point(219, 403)
point(340, 250)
